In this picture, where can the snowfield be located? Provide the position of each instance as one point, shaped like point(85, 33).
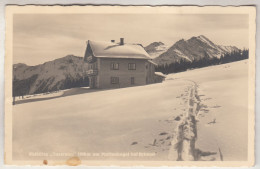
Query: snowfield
point(139, 123)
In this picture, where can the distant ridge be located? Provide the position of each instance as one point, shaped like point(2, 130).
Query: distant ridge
point(194, 48)
point(155, 49)
point(62, 73)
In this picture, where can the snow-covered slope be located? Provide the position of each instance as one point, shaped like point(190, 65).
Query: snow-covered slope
point(54, 75)
point(223, 116)
point(155, 49)
point(116, 123)
point(194, 48)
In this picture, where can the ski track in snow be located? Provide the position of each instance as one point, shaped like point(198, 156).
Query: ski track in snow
point(183, 145)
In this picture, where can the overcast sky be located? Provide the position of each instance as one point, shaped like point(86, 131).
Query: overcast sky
point(45, 37)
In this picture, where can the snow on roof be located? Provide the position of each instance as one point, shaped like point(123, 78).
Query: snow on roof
point(113, 50)
point(159, 74)
point(152, 62)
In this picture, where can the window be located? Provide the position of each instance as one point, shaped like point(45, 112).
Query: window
point(92, 66)
point(114, 80)
point(131, 66)
point(114, 66)
point(132, 80)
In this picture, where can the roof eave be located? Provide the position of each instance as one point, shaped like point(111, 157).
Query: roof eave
point(153, 62)
point(112, 57)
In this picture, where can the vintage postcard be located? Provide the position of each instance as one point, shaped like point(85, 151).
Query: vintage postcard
point(130, 85)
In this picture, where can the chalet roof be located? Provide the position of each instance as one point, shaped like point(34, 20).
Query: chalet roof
point(113, 50)
point(152, 62)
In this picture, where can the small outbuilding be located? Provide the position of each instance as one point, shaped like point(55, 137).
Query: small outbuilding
point(159, 77)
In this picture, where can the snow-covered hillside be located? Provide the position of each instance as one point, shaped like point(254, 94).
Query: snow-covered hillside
point(62, 73)
point(119, 123)
point(223, 116)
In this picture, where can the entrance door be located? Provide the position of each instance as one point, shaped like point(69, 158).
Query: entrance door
point(93, 82)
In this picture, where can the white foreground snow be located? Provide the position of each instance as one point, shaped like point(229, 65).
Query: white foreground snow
point(117, 123)
point(223, 91)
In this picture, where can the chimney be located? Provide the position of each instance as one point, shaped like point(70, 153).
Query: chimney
point(113, 41)
point(121, 41)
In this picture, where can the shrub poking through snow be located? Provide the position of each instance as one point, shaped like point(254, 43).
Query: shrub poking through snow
point(134, 143)
point(163, 133)
point(177, 118)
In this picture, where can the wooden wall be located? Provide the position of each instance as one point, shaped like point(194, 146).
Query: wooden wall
point(105, 73)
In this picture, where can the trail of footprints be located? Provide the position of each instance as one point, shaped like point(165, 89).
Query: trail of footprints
point(181, 144)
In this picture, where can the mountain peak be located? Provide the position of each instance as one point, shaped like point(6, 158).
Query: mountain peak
point(155, 44)
point(204, 39)
point(67, 58)
point(19, 65)
point(155, 49)
point(202, 36)
point(195, 48)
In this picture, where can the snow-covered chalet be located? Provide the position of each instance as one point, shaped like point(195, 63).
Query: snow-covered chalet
point(115, 65)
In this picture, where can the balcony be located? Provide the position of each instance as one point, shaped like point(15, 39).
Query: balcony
point(90, 59)
point(92, 72)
